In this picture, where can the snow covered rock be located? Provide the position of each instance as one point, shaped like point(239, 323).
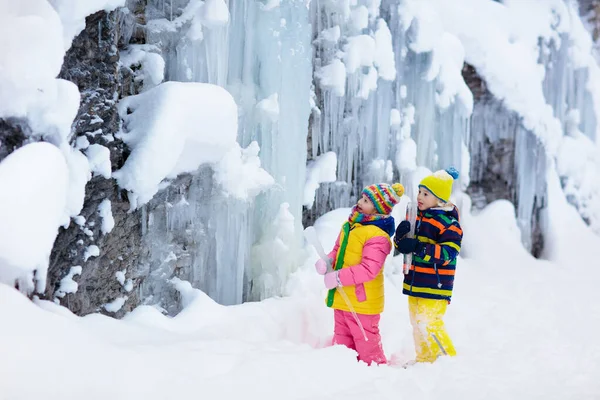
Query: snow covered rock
point(173, 129)
point(33, 195)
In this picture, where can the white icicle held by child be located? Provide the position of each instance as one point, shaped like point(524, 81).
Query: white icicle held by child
point(356, 282)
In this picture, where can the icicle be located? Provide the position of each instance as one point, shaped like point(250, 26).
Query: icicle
point(257, 53)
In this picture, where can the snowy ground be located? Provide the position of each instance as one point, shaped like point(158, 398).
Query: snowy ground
point(524, 329)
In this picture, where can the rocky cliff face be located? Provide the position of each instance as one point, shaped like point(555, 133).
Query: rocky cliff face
point(92, 64)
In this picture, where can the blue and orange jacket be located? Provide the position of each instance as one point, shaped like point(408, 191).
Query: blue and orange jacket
point(431, 274)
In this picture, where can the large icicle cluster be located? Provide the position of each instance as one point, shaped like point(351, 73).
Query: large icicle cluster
point(387, 97)
point(261, 54)
point(391, 95)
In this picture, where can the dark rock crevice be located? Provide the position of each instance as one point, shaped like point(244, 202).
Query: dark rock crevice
point(12, 136)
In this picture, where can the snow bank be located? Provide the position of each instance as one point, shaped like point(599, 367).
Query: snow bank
point(33, 195)
point(320, 170)
point(280, 347)
point(174, 128)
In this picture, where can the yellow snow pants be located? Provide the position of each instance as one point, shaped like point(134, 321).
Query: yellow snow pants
point(431, 338)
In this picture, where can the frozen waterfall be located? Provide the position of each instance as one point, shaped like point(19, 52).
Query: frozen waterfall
point(386, 86)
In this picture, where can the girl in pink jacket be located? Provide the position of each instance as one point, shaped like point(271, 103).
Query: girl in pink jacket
point(356, 281)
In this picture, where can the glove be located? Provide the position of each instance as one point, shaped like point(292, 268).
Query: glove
point(409, 245)
point(321, 266)
point(402, 229)
point(332, 280)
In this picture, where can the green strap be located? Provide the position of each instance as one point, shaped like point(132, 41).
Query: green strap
point(339, 259)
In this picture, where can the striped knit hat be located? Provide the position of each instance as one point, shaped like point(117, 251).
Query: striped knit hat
point(384, 196)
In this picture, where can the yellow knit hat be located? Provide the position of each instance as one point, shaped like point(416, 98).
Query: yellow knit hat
point(440, 183)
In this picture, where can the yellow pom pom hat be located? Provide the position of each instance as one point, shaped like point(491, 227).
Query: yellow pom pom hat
point(440, 183)
point(384, 196)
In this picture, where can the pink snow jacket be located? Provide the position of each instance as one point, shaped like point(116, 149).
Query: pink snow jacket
point(362, 272)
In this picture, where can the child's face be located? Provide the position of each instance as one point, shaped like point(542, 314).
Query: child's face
point(365, 205)
point(426, 200)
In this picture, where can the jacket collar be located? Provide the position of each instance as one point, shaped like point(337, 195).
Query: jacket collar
point(450, 210)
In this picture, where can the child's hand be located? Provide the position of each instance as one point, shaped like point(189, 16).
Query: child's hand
point(321, 266)
point(402, 229)
point(408, 245)
point(332, 280)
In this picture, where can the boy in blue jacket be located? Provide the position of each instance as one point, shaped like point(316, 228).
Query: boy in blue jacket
point(430, 279)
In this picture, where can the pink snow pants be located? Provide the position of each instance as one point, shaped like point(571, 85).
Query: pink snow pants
point(347, 332)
